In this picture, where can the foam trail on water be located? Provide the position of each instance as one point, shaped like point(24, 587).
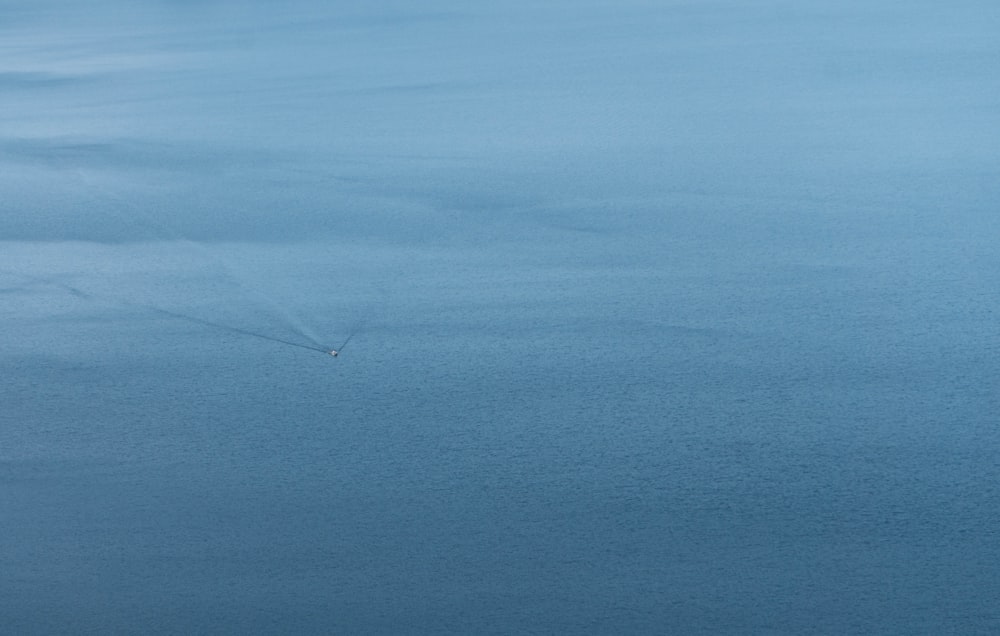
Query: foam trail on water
point(160, 231)
point(220, 325)
point(79, 293)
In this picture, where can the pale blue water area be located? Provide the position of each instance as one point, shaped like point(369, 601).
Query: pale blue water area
point(665, 317)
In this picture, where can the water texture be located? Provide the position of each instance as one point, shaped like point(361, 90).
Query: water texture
point(665, 317)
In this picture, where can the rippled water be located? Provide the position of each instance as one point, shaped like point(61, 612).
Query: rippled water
point(667, 318)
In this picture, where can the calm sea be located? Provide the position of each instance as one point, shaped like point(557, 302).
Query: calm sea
point(663, 318)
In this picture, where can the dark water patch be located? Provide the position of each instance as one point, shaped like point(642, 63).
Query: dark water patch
point(27, 80)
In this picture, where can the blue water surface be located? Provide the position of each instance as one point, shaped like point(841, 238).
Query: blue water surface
point(664, 318)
